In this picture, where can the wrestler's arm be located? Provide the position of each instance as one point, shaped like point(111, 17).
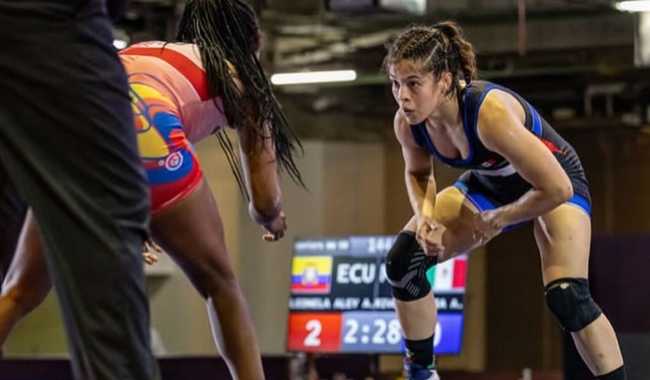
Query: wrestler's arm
point(501, 131)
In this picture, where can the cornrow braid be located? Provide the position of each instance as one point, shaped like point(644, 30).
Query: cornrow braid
point(461, 52)
point(227, 35)
point(441, 48)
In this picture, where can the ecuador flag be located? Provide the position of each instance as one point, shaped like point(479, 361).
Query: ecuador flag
point(311, 274)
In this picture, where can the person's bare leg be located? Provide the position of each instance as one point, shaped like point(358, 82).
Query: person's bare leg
point(192, 233)
point(418, 317)
point(455, 212)
point(564, 237)
point(27, 282)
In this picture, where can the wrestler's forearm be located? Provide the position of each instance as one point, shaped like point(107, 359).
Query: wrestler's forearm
point(264, 189)
point(260, 170)
point(532, 204)
point(421, 191)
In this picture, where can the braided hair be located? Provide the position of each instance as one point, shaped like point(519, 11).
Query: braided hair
point(227, 33)
point(441, 48)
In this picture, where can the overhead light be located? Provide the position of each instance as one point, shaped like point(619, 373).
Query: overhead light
point(633, 6)
point(414, 6)
point(313, 77)
point(120, 44)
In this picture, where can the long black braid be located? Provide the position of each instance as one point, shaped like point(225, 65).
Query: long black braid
point(227, 32)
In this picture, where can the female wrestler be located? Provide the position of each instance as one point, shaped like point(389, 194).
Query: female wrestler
point(520, 170)
point(183, 92)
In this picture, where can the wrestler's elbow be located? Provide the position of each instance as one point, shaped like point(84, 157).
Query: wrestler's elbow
point(560, 191)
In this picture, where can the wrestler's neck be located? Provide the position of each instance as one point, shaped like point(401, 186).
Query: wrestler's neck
point(446, 115)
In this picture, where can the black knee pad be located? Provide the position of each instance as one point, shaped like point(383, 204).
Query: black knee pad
point(570, 301)
point(406, 267)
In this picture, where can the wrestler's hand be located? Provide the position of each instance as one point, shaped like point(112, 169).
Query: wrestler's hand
point(487, 225)
point(149, 251)
point(276, 228)
point(429, 234)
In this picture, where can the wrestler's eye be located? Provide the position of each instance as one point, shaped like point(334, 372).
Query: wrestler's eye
point(414, 84)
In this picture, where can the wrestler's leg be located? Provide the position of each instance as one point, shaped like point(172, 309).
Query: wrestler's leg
point(27, 282)
point(192, 233)
point(406, 267)
point(564, 237)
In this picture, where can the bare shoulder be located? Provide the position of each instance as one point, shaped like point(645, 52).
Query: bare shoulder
point(495, 106)
point(501, 115)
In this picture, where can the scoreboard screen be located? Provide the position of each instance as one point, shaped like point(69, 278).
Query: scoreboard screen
point(341, 302)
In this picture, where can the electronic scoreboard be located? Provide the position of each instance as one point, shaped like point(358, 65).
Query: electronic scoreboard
point(340, 300)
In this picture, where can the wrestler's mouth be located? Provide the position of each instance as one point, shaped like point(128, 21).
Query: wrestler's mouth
point(408, 111)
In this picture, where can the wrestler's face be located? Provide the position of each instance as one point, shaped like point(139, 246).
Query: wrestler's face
point(417, 92)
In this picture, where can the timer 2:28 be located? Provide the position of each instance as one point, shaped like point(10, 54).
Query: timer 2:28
point(377, 331)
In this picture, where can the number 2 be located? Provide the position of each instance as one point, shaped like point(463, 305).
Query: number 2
point(350, 337)
point(314, 327)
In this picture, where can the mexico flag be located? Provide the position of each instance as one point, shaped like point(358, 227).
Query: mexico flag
point(449, 276)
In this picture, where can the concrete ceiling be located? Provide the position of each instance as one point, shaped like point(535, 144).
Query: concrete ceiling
point(568, 51)
point(304, 34)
